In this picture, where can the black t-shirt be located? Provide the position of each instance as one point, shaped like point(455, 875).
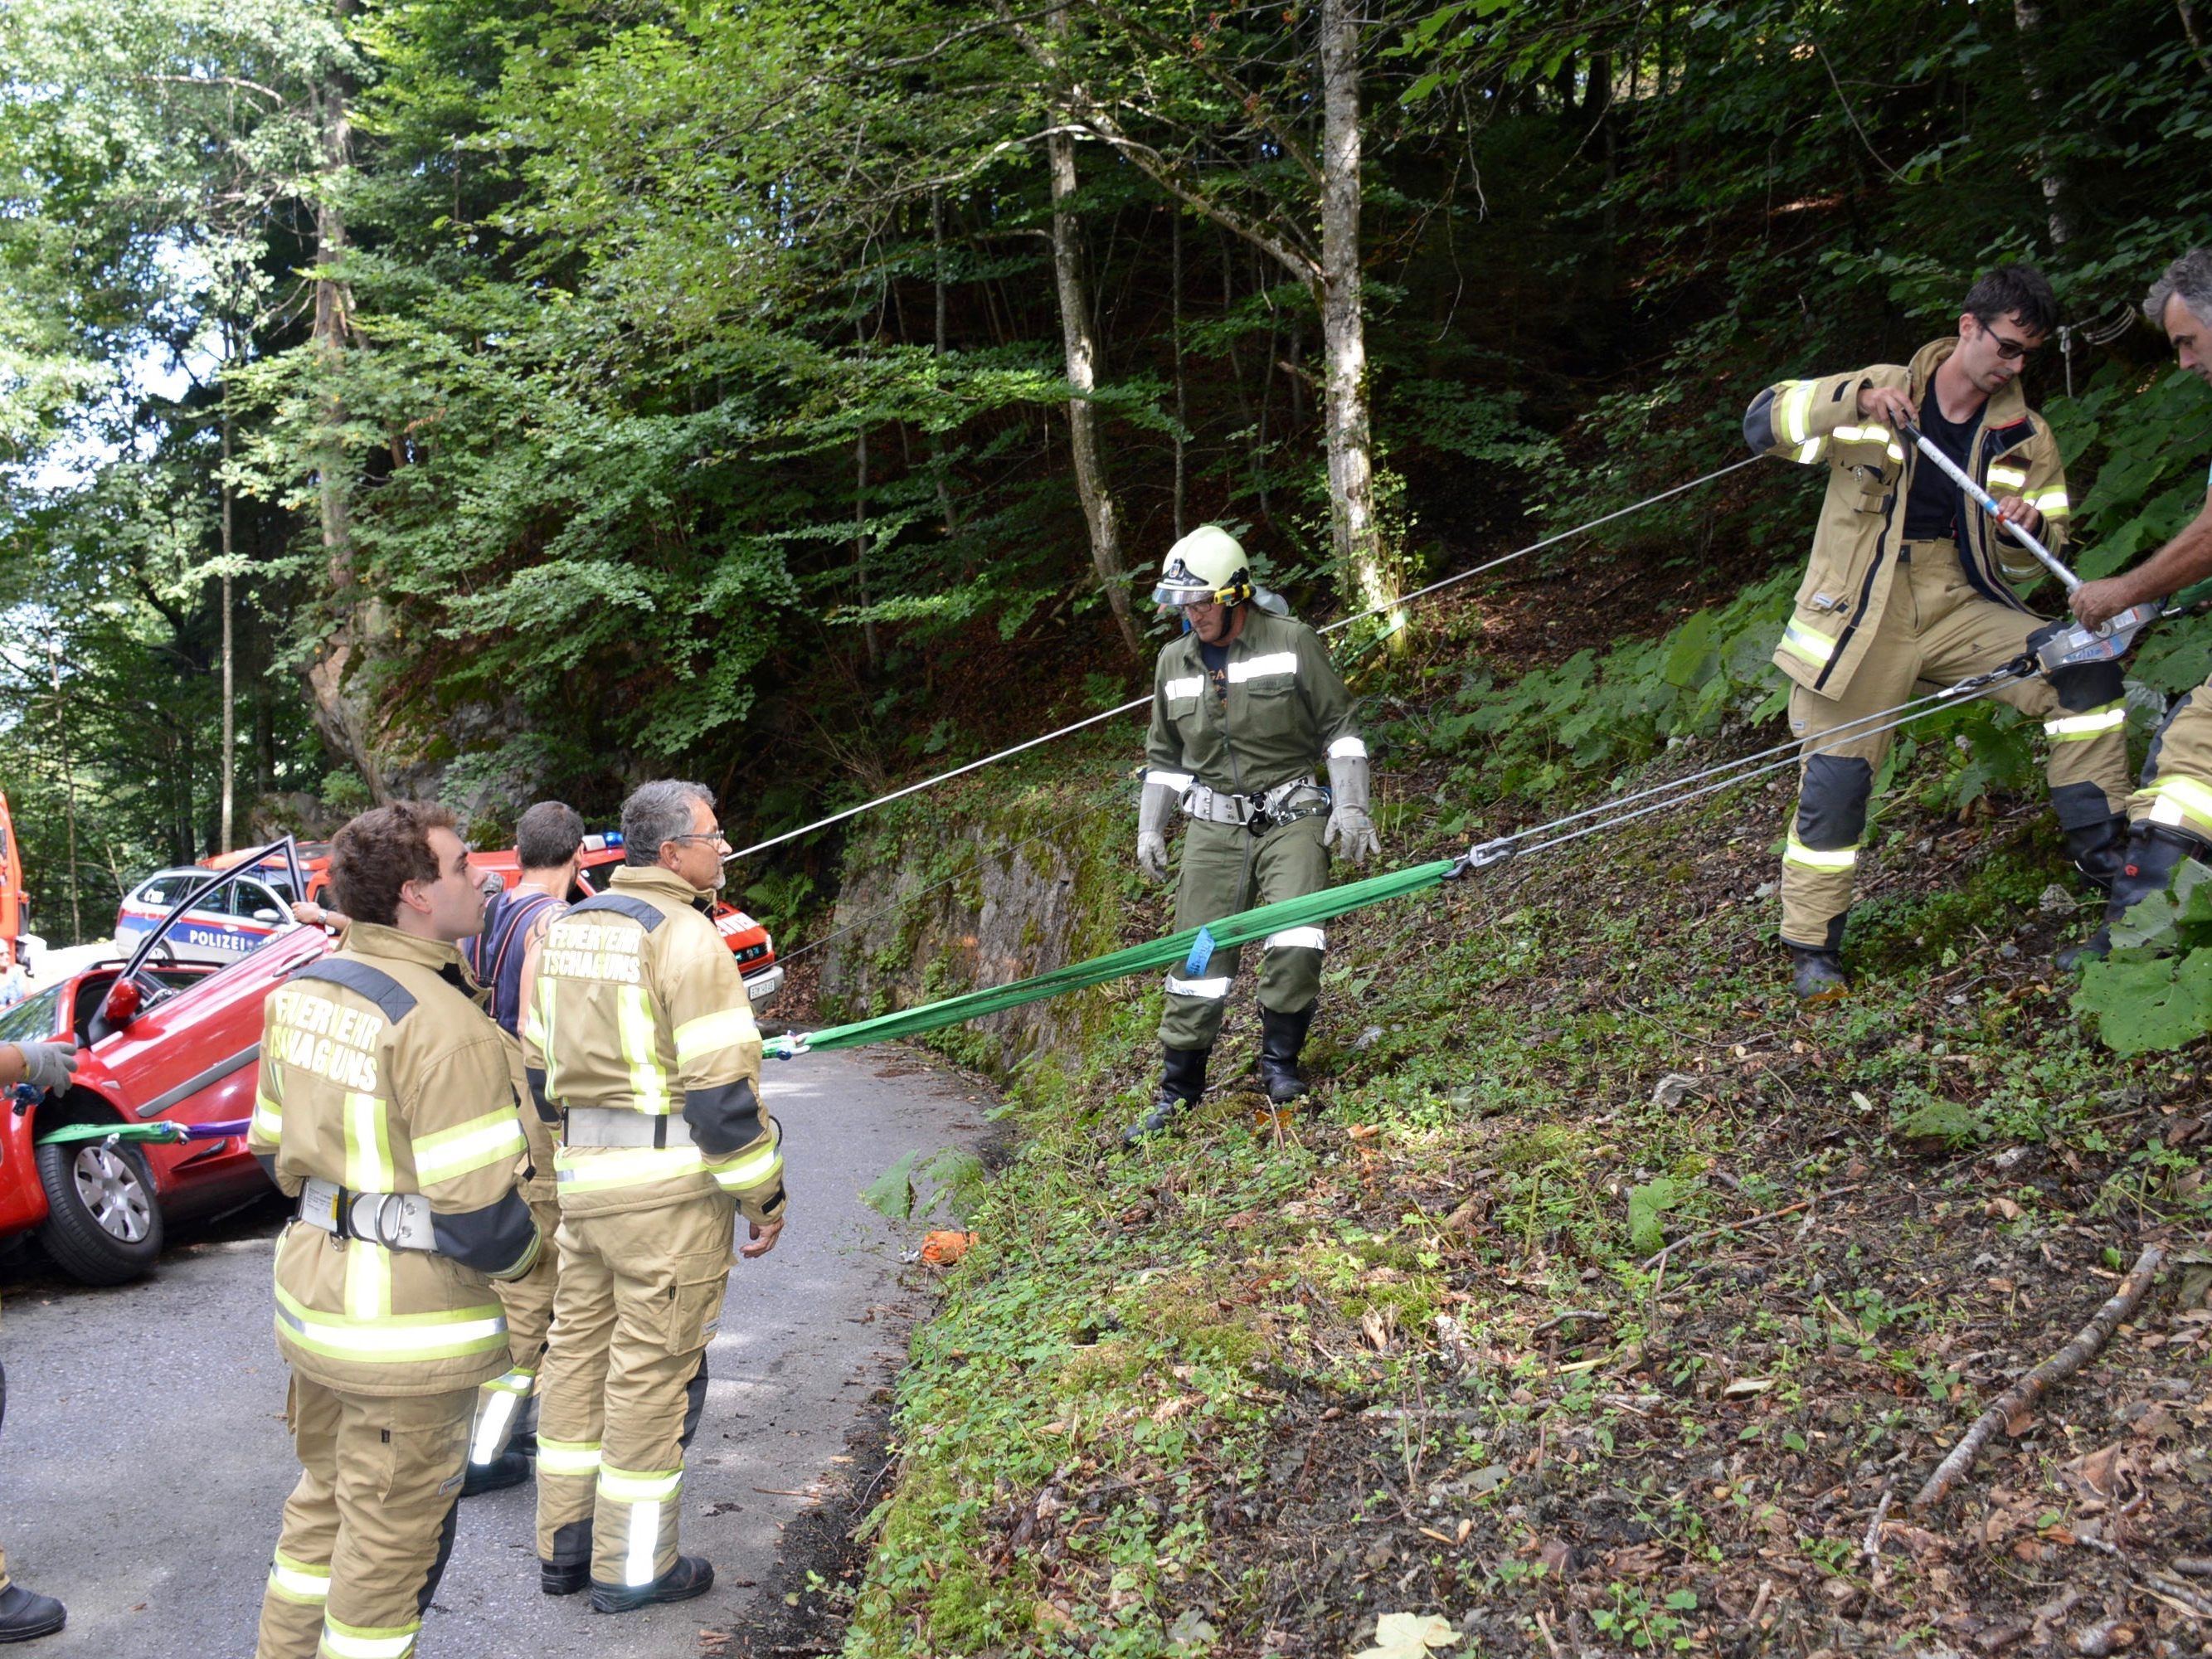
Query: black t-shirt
point(1931, 512)
point(1216, 658)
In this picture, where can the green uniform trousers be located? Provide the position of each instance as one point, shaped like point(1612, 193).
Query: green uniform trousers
point(527, 1302)
point(368, 1528)
point(1226, 869)
point(2176, 776)
point(640, 1299)
point(1938, 631)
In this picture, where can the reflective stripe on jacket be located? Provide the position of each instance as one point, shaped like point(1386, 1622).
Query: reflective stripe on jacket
point(380, 1073)
point(1848, 581)
point(1287, 710)
point(638, 1005)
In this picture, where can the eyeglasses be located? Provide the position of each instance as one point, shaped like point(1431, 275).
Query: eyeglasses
point(717, 836)
point(2008, 349)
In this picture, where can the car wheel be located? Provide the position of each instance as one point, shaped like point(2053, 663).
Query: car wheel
point(104, 1224)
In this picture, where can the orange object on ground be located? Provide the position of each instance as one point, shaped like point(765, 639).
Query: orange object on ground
point(942, 1250)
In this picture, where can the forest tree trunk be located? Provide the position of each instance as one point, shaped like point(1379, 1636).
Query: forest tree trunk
point(1360, 555)
point(339, 711)
point(2057, 199)
point(1081, 347)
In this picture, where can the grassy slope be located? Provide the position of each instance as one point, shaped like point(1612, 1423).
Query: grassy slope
point(1248, 1390)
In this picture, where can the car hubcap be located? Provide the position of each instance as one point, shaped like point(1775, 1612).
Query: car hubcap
point(112, 1191)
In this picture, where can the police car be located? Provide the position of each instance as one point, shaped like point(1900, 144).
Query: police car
point(235, 920)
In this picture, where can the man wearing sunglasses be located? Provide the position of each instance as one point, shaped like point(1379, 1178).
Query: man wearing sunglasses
point(1910, 588)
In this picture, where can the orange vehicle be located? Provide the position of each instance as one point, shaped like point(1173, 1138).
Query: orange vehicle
point(747, 939)
point(15, 903)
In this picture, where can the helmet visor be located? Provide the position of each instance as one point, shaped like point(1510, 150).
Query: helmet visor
point(1178, 596)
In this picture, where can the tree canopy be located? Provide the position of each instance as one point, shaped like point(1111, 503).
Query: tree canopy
point(594, 391)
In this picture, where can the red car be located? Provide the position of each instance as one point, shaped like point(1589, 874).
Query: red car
point(161, 1040)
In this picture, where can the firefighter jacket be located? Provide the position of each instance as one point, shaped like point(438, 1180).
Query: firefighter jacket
point(380, 1074)
point(639, 1006)
point(1285, 710)
point(1847, 587)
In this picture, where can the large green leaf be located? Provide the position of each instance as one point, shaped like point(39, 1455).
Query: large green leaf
point(2141, 1004)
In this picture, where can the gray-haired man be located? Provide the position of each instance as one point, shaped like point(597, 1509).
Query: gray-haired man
point(2170, 817)
point(639, 1033)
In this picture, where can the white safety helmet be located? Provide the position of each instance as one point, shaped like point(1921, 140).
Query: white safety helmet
point(1206, 565)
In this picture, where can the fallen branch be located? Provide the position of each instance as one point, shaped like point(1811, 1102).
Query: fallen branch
point(2176, 1593)
point(2021, 1397)
point(1872, 1547)
point(1572, 1316)
point(1750, 1221)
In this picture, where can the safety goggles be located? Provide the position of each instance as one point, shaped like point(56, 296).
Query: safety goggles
point(1178, 590)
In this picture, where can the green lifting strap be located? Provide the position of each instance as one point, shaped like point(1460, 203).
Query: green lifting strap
point(1229, 932)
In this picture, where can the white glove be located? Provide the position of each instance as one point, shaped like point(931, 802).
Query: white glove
point(48, 1066)
point(1152, 854)
point(1351, 832)
point(1156, 806)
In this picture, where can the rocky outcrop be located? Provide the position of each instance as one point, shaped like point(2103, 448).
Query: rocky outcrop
point(972, 892)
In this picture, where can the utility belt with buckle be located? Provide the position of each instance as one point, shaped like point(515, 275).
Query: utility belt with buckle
point(398, 1221)
point(618, 1125)
point(1286, 803)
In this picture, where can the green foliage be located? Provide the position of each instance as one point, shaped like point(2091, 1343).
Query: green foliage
point(1648, 1205)
point(1614, 710)
point(2155, 990)
point(896, 1195)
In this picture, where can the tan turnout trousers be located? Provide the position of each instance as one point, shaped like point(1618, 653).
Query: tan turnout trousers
point(528, 1304)
point(640, 1299)
point(380, 1476)
point(2177, 777)
point(1938, 631)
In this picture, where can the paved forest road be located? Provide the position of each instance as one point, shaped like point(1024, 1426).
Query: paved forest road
point(145, 1460)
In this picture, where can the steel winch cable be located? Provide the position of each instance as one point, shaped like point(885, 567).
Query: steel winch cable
point(1384, 609)
point(1249, 927)
point(1489, 854)
point(1835, 737)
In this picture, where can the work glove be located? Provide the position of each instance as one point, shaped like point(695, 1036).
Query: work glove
point(1350, 831)
point(1155, 807)
point(48, 1066)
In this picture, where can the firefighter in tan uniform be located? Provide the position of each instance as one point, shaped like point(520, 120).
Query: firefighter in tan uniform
point(24, 1614)
point(1910, 586)
point(639, 1034)
point(2170, 817)
point(548, 840)
point(386, 1106)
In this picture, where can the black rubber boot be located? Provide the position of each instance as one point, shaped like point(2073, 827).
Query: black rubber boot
point(1182, 1080)
point(26, 1616)
point(2152, 853)
point(1281, 1037)
point(691, 1576)
point(570, 1568)
point(1820, 975)
point(2099, 850)
point(509, 1469)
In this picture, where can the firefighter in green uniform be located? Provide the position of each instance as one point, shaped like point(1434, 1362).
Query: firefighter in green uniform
point(1246, 706)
